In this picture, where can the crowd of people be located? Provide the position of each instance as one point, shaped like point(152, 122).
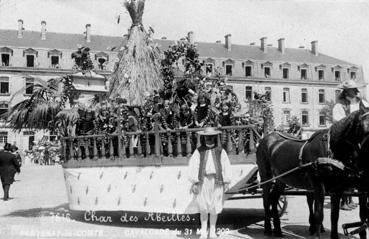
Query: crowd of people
point(214, 105)
point(211, 107)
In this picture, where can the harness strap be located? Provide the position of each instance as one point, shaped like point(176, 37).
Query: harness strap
point(301, 152)
point(332, 162)
point(329, 151)
point(319, 161)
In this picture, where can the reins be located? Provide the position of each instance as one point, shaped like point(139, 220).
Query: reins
point(320, 161)
point(276, 177)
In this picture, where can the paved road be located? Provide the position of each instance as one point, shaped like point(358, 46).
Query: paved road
point(39, 209)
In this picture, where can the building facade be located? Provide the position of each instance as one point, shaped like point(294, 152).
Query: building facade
point(300, 80)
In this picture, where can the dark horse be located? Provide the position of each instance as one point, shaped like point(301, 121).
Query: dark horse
point(364, 180)
point(276, 155)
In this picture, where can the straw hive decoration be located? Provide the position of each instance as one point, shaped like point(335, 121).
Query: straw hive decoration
point(138, 70)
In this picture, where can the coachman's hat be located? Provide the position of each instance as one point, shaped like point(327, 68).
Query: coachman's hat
point(351, 84)
point(209, 131)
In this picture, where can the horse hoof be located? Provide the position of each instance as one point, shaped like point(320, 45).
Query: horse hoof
point(322, 229)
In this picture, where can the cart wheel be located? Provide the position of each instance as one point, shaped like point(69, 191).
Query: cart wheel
point(282, 205)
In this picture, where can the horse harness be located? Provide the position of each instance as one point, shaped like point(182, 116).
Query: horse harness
point(320, 161)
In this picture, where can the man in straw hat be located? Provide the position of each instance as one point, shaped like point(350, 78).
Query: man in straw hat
point(348, 101)
point(209, 173)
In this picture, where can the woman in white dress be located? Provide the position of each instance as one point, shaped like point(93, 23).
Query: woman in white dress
point(209, 173)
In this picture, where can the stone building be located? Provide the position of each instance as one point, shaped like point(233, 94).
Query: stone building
point(300, 80)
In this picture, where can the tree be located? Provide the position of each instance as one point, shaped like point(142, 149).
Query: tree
point(137, 72)
point(47, 107)
point(262, 107)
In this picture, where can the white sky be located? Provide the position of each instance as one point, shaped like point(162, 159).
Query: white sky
point(341, 27)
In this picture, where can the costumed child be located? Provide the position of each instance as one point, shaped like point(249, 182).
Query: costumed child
point(209, 173)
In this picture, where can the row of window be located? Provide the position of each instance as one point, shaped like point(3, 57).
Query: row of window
point(4, 85)
point(305, 119)
point(286, 94)
point(285, 72)
point(54, 60)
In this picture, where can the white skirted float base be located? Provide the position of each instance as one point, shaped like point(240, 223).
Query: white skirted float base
point(157, 189)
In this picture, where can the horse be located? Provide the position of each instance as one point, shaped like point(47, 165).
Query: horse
point(277, 155)
point(364, 182)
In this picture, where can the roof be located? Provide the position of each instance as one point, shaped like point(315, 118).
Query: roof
point(210, 50)
point(32, 39)
point(248, 52)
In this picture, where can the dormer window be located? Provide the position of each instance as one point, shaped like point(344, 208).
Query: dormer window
point(353, 75)
point(285, 73)
point(352, 71)
point(267, 66)
point(228, 70)
point(267, 72)
point(5, 52)
point(303, 74)
point(30, 55)
point(30, 60)
point(337, 72)
point(303, 71)
point(337, 75)
point(228, 64)
point(54, 56)
point(248, 65)
point(55, 61)
point(321, 71)
point(5, 57)
point(321, 74)
point(285, 70)
point(248, 71)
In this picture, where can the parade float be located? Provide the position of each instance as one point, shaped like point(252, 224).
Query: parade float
point(110, 179)
point(142, 182)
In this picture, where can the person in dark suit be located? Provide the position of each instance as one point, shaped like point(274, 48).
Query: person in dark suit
point(9, 165)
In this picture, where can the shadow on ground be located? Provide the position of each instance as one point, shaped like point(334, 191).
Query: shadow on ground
point(303, 232)
point(60, 210)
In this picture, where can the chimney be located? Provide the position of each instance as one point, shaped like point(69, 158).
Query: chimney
point(228, 43)
point(263, 44)
point(88, 32)
point(314, 47)
point(281, 46)
point(20, 28)
point(43, 30)
point(190, 37)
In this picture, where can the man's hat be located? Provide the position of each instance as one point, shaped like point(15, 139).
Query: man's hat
point(351, 84)
point(209, 131)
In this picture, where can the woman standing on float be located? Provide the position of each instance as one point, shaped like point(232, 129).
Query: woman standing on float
point(209, 173)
